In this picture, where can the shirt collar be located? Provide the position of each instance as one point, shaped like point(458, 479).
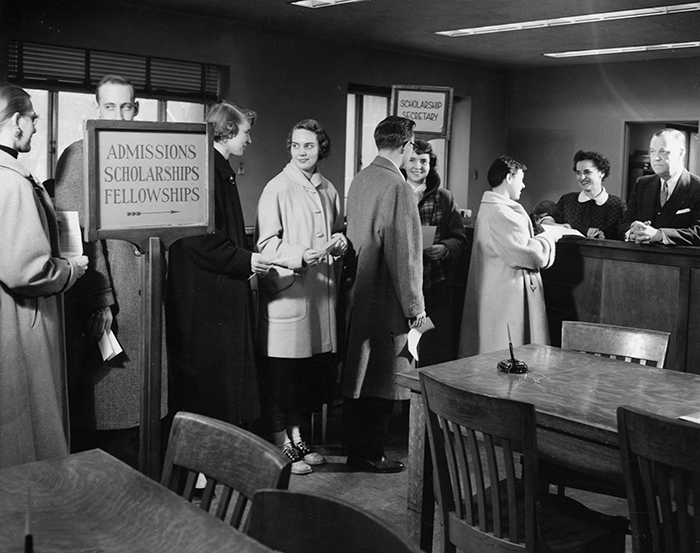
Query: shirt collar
point(600, 199)
point(419, 191)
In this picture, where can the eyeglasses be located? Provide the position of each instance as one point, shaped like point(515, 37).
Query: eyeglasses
point(33, 117)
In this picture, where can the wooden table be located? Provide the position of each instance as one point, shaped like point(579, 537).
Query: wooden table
point(92, 503)
point(576, 396)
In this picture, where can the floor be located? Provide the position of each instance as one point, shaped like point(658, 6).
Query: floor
point(385, 494)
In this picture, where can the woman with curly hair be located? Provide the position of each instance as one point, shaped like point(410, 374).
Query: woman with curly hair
point(592, 211)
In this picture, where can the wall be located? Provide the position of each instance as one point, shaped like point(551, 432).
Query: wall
point(284, 77)
point(554, 112)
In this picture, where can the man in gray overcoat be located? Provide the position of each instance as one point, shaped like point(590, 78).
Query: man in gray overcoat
point(385, 230)
point(104, 396)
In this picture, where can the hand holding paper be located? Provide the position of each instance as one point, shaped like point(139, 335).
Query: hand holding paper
point(415, 334)
point(109, 346)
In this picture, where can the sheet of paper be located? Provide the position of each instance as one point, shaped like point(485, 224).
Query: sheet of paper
point(692, 417)
point(69, 235)
point(428, 235)
point(557, 231)
point(415, 334)
point(327, 248)
point(109, 345)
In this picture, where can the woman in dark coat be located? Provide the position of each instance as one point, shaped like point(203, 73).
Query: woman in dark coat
point(209, 305)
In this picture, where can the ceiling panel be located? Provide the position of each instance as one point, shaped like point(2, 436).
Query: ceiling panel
point(410, 25)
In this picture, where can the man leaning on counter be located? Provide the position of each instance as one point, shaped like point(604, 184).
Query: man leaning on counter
point(664, 207)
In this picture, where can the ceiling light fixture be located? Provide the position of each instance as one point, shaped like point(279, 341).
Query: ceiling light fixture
point(573, 20)
point(624, 50)
point(323, 3)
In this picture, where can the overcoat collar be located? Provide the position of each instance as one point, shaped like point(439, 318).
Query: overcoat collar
point(8, 161)
point(294, 173)
point(385, 163)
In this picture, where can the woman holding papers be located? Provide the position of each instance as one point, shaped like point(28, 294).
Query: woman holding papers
point(439, 214)
point(505, 285)
point(33, 408)
point(299, 228)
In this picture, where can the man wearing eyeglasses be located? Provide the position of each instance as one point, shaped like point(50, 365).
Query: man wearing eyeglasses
point(104, 396)
point(665, 207)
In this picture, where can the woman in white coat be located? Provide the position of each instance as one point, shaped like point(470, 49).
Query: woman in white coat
point(33, 408)
point(504, 286)
point(299, 228)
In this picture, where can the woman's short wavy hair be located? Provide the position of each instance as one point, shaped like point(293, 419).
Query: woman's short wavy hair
point(227, 118)
point(599, 160)
point(324, 141)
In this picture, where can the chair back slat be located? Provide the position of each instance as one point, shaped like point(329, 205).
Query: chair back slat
point(634, 345)
point(661, 463)
point(228, 456)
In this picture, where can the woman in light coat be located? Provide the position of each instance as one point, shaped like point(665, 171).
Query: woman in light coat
point(299, 228)
point(33, 408)
point(504, 285)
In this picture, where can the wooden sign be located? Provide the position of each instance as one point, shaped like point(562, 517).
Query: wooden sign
point(430, 107)
point(148, 180)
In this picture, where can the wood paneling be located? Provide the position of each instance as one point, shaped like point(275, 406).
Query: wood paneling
point(611, 282)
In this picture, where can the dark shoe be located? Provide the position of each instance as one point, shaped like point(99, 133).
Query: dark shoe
point(381, 465)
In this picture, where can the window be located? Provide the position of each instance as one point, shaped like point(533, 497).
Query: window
point(61, 82)
point(366, 107)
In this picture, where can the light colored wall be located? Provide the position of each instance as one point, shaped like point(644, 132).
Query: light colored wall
point(284, 77)
point(554, 112)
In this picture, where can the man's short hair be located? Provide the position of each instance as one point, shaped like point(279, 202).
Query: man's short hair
point(501, 168)
point(114, 79)
point(393, 132)
point(227, 117)
point(675, 135)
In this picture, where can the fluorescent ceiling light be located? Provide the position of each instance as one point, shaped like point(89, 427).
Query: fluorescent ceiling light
point(573, 20)
point(323, 3)
point(624, 50)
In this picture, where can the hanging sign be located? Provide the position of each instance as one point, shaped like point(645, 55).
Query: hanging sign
point(430, 107)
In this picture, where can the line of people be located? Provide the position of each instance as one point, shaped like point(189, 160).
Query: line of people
point(326, 290)
point(226, 359)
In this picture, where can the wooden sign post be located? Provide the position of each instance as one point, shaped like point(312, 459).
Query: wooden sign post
point(149, 184)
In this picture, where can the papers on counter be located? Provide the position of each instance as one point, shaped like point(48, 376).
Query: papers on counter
point(557, 231)
point(693, 417)
point(109, 345)
point(69, 236)
point(415, 334)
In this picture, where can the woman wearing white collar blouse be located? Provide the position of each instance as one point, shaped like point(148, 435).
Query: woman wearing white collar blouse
point(592, 211)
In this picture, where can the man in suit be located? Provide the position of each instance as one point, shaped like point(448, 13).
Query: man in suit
point(104, 396)
point(665, 207)
point(385, 231)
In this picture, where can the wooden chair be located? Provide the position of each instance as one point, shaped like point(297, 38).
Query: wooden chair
point(240, 462)
point(641, 346)
point(634, 345)
point(488, 498)
point(293, 522)
point(661, 463)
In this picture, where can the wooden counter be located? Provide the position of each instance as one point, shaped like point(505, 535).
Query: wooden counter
point(614, 282)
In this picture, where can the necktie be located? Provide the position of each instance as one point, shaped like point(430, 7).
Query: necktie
point(664, 193)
